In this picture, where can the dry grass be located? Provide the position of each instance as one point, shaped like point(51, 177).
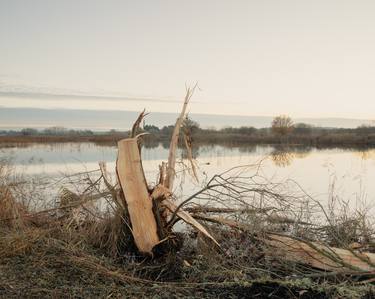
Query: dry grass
point(57, 254)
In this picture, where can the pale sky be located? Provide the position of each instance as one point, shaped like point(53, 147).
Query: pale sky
point(311, 58)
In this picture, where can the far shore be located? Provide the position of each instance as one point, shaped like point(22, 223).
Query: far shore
point(327, 138)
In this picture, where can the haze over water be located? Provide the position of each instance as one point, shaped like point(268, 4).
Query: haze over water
point(104, 120)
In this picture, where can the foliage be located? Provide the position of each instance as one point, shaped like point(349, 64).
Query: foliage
point(300, 133)
point(282, 125)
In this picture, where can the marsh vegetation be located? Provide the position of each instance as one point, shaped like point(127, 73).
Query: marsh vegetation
point(77, 249)
point(281, 131)
point(83, 245)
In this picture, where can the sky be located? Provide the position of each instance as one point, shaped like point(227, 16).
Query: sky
point(301, 58)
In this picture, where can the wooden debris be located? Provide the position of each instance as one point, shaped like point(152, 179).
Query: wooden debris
point(171, 172)
point(162, 173)
point(137, 123)
point(188, 219)
point(148, 221)
point(314, 254)
point(190, 157)
point(160, 193)
point(106, 178)
point(221, 220)
point(321, 256)
point(163, 194)
point(133, 183)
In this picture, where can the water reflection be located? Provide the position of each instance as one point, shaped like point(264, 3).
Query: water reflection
point(366, 154)
point(194, 153)
point(54, 154)
point(284, 156)
point(247, 149)
point(354, 168)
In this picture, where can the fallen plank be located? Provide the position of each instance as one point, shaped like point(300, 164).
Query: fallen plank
point(133, 184)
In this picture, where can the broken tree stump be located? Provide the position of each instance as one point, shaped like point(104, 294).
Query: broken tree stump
point(133, 184)
point(149, 223)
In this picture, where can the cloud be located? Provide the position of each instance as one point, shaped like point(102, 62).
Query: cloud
point(56, 96)
point(47, 93)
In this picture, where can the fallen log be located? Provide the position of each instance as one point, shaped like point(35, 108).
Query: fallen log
point(314, 254)
point(321, 256)
point(133, 184)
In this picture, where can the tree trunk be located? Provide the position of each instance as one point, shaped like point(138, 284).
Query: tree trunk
point(133, 183)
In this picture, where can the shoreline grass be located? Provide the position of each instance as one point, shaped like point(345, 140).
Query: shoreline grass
point(79, 253)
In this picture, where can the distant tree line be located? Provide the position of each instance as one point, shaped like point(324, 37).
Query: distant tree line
point(52, 131)
point(281, 130)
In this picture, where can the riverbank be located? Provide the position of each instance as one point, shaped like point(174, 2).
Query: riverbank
point(326, 139)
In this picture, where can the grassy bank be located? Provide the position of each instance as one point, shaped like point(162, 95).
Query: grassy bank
point(49, 263)
point(48, 259)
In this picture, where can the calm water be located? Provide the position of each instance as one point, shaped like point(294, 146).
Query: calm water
point(351, 171)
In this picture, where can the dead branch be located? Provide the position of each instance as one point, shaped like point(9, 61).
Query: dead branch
point(188, 218)
point(137, 123)
point(171, 172)
point(188, 146)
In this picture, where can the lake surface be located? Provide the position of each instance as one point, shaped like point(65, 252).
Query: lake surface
point(352, 172)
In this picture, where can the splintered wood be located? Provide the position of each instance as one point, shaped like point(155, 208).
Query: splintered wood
point(171, 171)
point(146, 223)
point(132, 180)
point(188, 219)
point(321, 256)
point(314, 254)
point(139, 201)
